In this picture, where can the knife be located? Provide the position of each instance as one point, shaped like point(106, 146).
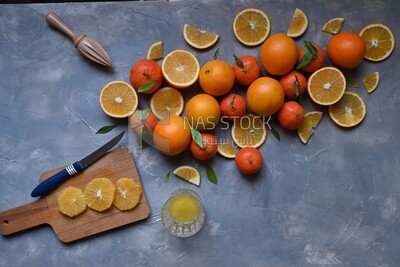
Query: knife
point(52, 182)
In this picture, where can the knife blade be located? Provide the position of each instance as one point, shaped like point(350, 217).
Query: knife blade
point(52, 182)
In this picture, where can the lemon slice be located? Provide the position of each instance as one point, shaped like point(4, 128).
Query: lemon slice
point(371, 81)
point(349, 111)
point(199, 38)
point(118, 99)
point(99, 194)
point(71, 201)
point(251, 26)
point(333, 26)
point(227, 150)
point(311, 121)
point(189, 174)
point(180, 68)
point(155, 51)
point(298, 24)
point(326, 86)
point(250, 131)
point(380, 41)
point(128, 193)
point(165, 102)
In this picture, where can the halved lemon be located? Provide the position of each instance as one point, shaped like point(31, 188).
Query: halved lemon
point(180, 68)
point(99, 194)
point(380, 41)
point(199, 38)
point(188, 173)
point(371, 81)
point(226, 149)
point(166, 101)
point(128, 193)
point(311, 121)
point(249, 130)
point(155, 51)
point(251, 26)
point(326, 86)
point(71, 201)
point(118, 99)
point(333, 26)
point(298, 24)
point(349, 111)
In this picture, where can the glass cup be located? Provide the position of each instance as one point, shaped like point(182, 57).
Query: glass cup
point(183, 213)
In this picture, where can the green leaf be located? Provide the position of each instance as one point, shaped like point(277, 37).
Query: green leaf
point(136, 124)
point(311, 48)
point(238, 61)
point(307, 58)
point(196, 136)
point(167, 176)
point(212, 177)
point(216, 54)
point(146, 87)
point(142, 114)
point(275, 134)
point(147, 135)
point(106, 129)
point(353, 84)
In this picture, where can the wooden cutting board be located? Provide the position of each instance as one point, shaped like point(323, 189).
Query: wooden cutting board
point(114, 165)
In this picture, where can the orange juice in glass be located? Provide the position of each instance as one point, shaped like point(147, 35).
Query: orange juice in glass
point(183, 213)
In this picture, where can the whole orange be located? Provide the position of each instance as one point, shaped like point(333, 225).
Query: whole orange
point(294, 84)
point(317, 62)
point(203, 112)
point(346, 49)
point(291, 115)
point(144, 72)
point(233, 106)
point(142, 119)
point(265, 96)
point(246, 70)
point(210, 146)
point(249, 160)
point(216, 77)
point(279, 54)
point(172, 135)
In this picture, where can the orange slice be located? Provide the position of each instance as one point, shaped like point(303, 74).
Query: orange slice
point(180, 68)
point(99, 194)
point(118, 99)
point(128, 193)
point(227, 150)
point(380, 41)
point(371, 81)
point(251, 26)
point(333, 26)
point(326, 86)
point(188, 174)
point(349, 111)
point(311, 121)
point(298, 24)
point(250, 130)
point(199, 38)
point(155, 51)
point(71, 201)
point(165, 102)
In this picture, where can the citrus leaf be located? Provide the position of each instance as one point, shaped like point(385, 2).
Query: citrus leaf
point(146, 87)
point(106, 129)
point(275, 133)
point(212, 177)
point(216, 54)
point(196, 136)
point(238, 61)
point(147, 135)
point(353, 84)
point(167, 176)
point(311, 48)
point(142, 114)
point(307, 58)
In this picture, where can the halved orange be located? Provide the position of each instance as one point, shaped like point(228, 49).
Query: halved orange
point(118, 99)
point(333, 26)
point(226, 149)
point(380, 41)
point(155, 51)
point(199, 38)
point(311, 121)
point(371, 81)
point(298, 24)
point(251, 26)
point(166, 101)
point(249, 130)
point(349, 111)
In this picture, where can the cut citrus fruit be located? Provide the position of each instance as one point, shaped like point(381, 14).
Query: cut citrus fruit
point(333, 26)
point(371, 81)
point(71, 201)
point(326, 86)
point(155, 51)
point(199, 38)
point(99, 194)
point(128, 193)
point(380, 41)
point(251, 26)
point(226, 149)
point(298, 24)
point(118, 99)
point(180, 68)
point(349, 111)
point(166, 101)
point(188, 173)
point(249, 130)
point(311, 121)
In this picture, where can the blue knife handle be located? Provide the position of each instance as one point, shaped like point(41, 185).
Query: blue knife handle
point(52, 182)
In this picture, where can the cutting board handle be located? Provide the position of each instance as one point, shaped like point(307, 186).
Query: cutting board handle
point(24, 217)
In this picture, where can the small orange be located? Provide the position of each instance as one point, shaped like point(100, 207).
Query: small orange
point(146, 71)
point(317, 62)
point(246, 69)
point(216, 77)
point(290, 115)
point(203, 112)
point(209, 149)
point(279, 54)
point(294, 84)
point(249, 160)
point(172, 135)
point(233, 106)
point(346, 49)
point(265, 96)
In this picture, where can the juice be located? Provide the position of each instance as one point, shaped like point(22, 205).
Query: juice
point(184, 208)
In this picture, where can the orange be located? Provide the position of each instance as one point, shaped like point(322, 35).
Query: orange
point(294, 84)
point(251, 26)
point(172, 135)
point(118, 99)
point(209, 149)
point(246, 69)
point(146, 72)
point(279, 54)
point(346, 49)
point(216, 77)
point(291, 115)
point(249, 160)
point(142, 119)
point(316, 63)
point(99, 194)
point(380, 41)
point(203, 112)
point(128, 193)
point(71, 201)
point(233, 106)
point(265, 96)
